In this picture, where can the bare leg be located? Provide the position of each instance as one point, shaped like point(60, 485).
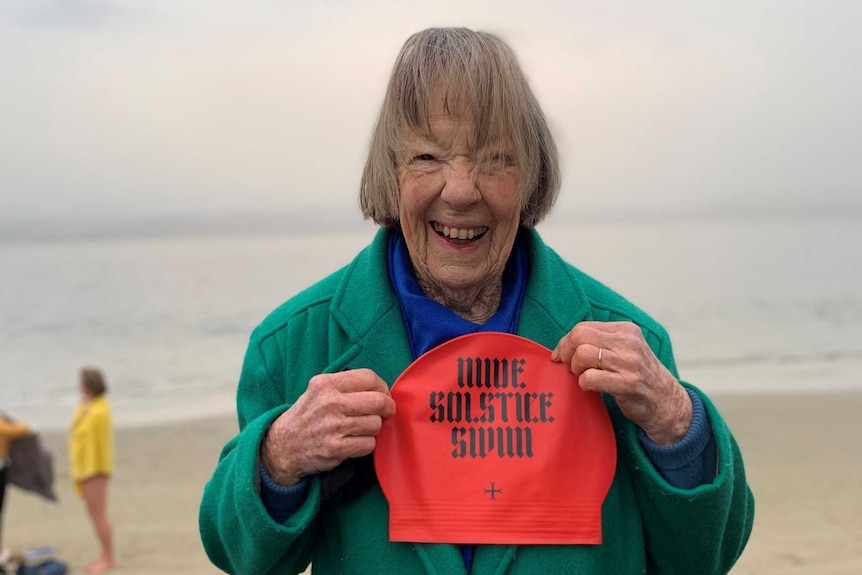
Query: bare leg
point(96, 497)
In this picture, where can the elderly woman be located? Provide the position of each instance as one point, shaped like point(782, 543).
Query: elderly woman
point(461, 168)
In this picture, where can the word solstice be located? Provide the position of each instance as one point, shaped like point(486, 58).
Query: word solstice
point(492, 411)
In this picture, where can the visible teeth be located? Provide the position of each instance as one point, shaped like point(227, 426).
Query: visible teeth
point(458, 233)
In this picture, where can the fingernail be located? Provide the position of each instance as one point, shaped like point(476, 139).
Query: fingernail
point(555, 355)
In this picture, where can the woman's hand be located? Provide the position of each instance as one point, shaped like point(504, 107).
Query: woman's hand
point(614, 358)
point(338, 417)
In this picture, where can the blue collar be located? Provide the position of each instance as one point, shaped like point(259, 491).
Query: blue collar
point(429, 323)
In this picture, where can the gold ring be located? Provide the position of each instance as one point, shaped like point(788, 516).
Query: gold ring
point(600, 357)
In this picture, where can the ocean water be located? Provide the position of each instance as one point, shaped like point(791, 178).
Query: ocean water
point(753, 306)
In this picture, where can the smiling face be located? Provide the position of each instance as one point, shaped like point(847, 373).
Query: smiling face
point(459, 208)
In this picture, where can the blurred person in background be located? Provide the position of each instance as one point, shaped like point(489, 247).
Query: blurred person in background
point(91, 455)
point(9, 431)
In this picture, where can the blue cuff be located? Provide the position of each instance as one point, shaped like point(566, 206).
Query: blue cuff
point(691, 461)
point(279, 501)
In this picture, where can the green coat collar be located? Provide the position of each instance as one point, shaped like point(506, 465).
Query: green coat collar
point(365, 306)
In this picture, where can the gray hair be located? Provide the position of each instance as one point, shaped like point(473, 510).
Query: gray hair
point(476, 74)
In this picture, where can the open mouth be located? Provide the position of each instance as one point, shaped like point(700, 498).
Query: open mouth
point(459, 235)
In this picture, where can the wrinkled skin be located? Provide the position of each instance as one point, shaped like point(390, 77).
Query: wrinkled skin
point(646, 392)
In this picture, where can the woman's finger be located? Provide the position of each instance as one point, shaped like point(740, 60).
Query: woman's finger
point(363, 426)
point(367, 403)
point(606, 326)
point(587, 356)
point(357, 446)
point(594, 333)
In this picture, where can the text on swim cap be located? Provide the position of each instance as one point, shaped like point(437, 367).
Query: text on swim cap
point(491, 398)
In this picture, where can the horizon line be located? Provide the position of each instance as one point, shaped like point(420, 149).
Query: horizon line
point(321, 220)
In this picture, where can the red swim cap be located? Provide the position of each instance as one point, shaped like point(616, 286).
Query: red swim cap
point(492, 442)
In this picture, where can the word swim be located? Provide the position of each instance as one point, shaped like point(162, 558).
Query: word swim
point(492, 409)
point(501, 441)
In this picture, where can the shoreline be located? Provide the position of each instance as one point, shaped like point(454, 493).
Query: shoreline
point(727, 381)
point(175, 416)
point(803, 456)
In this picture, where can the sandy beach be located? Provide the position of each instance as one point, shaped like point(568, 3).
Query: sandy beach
point(803, 455)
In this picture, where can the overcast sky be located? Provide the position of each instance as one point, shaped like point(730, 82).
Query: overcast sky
point(125, 109)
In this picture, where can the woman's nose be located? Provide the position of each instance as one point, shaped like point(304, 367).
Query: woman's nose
point(459, 187)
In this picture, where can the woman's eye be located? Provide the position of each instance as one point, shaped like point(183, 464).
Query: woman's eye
point(424, 158)
point(504, 159)
point(497, 163)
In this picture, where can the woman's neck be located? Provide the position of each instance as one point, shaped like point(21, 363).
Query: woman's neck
point(473, 304)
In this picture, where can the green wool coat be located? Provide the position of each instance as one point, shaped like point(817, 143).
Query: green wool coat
point(351, 320)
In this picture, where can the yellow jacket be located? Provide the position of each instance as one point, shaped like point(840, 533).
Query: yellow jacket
point(91, 441)
point(8, 432)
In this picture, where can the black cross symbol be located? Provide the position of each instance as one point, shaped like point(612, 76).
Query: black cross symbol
point(493, 491)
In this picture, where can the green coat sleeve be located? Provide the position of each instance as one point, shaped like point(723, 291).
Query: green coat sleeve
point(237, 532)
point(702, 530)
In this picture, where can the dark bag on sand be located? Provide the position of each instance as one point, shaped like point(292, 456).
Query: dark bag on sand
point(49, 567)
